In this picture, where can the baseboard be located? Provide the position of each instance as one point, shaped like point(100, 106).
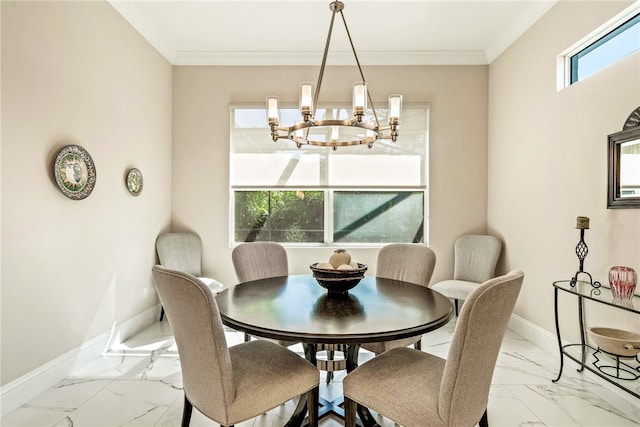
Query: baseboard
point(534, 333)
point(25, 388)
point(132, 326)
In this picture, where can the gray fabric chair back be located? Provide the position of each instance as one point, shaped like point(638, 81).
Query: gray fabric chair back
point(204, 356)
point(259, 260)
point(464, 390)
point(476, 257)
point(409, 262)
point(181, 252)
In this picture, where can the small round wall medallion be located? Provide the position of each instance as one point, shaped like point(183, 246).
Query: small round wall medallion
point(75, 172)
point(134, 181)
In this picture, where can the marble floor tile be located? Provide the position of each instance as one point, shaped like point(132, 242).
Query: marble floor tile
point(564, 405)
point(55, 404)
point(528, 368)
point(158, 337)
point(506, 410)
point(120, 366)
point(139, 383)
point(127, 402)
point(513, 342)
point(31, 416)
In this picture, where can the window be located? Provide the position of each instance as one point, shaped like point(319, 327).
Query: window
point(316, 195)
point(623, 40)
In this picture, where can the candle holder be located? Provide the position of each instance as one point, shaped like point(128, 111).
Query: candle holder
point(582, 250)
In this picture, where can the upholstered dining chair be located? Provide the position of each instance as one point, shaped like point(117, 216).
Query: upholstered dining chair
point(475, 259)
point(260, 260)
point(183, 252)
point(228, 384)
point(417, 389)
point(408, 262)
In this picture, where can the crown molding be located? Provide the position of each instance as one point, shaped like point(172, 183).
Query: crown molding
point(132, 15)
point(280, 58)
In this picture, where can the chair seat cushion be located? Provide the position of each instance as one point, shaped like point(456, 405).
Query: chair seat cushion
point(456, 289)
point(266, 374)
point(405, 371)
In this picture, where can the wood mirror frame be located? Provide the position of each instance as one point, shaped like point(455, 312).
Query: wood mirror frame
point(629, 139)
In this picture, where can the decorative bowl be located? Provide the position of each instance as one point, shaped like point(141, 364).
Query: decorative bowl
point(338, 281)
point(616, 341)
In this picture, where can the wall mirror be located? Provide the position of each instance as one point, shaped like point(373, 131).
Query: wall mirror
point(623, 189)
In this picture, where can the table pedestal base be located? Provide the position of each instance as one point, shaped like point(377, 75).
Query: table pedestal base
point(331, 407)
point(335, 406)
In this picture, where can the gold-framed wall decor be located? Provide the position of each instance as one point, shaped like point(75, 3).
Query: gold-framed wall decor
point(135, 182)
point(75, 172)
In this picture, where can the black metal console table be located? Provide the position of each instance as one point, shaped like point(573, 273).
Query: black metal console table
point(582, 353)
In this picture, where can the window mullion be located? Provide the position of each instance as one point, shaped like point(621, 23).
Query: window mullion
point(328, 217)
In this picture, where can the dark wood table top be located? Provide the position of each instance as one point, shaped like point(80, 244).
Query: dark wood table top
point(297, 308)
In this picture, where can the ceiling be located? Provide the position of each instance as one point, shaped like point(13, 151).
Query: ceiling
point(287, 32)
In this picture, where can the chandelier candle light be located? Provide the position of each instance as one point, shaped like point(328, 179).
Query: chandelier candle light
point(326, 132)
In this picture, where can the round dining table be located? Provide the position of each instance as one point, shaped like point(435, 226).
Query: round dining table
point(296, 308)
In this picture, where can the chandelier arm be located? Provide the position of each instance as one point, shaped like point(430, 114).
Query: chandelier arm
point(324, 62)
point(353, 49)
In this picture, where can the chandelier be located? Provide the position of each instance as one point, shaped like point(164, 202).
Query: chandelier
point(336, 132)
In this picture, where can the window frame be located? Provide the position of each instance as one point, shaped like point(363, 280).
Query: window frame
point(330, 189)
point(566, 69)
point(574, 59)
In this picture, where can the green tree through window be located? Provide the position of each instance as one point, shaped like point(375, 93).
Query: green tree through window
point(279, 216)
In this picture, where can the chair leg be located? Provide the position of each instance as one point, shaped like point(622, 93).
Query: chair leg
point(418, 345)
point(349, 412)
point(247, 337)
point(186, 412)
point(455, 304)
point(161, 313)
point(484, 421)
point(313, 397)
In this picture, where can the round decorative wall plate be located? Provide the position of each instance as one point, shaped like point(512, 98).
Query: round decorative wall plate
point(134, 181)
point(75, 172)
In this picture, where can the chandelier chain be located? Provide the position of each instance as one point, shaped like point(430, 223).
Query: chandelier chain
point(353, 49)
point(324, 61)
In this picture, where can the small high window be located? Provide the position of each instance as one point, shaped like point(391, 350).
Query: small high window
point(623, 40)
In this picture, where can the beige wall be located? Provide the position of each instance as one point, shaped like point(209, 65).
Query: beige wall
point(548, 163)
point(76, 72)
point(458, 148)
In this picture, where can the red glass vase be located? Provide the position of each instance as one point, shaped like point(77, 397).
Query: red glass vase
point(622, 281)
